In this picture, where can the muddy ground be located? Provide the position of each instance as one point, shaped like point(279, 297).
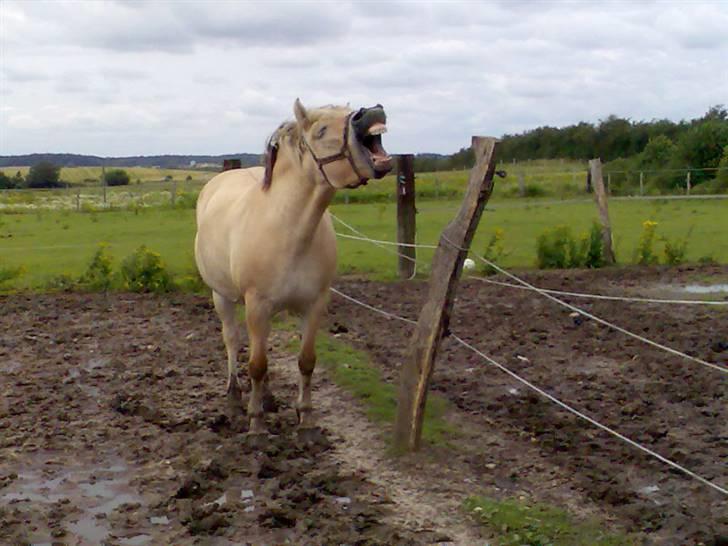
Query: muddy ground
point(113, 426)
point(673, 406)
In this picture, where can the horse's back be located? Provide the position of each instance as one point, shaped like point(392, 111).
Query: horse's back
point(226, 187)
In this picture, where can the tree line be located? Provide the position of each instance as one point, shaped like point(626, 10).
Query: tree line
point(620, 142)
point(47, 175)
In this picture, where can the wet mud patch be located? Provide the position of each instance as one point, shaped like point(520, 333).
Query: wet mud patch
point(115, 430)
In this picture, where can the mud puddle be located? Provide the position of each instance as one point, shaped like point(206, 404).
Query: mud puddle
point(75, 503)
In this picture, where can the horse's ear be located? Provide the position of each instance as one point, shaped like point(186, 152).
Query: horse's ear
point(301, 115)
point(271, 154)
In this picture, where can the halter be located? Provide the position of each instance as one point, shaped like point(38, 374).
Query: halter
point(344, 153)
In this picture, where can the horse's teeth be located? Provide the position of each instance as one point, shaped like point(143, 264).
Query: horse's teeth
point(377, 129)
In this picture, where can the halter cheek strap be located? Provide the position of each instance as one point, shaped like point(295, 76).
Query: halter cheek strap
point(344, 153)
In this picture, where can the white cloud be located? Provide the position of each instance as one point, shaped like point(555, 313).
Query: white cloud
point(127, 77)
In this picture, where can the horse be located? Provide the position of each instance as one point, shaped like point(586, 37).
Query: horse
point(265, 239)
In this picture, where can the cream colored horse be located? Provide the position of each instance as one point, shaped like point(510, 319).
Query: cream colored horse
point(265, 239)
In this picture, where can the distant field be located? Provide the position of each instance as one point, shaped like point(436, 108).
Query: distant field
point(49, 243)
point(92, 175)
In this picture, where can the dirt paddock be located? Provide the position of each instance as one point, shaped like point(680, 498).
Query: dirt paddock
point(113, 427)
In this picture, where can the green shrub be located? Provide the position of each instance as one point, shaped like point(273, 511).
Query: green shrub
point(98, 274)
point(674, 251)
point(186, 200)
point(494, 251)
point(557, 248)
point(645, 253)
point(191, 282)
point(144, 271)
point(8, 274)
point(61, 283)
point(592, 254)
point(116, 177)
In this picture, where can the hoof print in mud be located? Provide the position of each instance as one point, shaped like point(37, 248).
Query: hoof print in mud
point(312, 435)
point(206, 520)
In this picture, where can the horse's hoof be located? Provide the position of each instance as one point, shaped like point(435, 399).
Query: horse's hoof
point(311, 435)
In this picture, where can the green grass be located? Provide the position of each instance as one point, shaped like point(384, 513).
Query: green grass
point(48, 243)
point(522, 223)
point(518, 523)
point(352, 370)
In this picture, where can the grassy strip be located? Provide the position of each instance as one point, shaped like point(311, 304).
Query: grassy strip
point(352, 370)
point(518, 523)
point(50, 243)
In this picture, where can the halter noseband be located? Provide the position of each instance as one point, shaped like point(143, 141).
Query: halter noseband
point(344, 153)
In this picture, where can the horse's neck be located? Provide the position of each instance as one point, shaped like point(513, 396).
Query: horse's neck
point(300, 199)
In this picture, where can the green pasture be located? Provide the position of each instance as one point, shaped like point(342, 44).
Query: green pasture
point(48, 243)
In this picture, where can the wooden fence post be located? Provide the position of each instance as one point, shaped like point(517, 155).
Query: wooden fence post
point(521, 185)
point(600, 196)
point(406, 221)
point(687, 183)
point(642, 183)
point(434, 318)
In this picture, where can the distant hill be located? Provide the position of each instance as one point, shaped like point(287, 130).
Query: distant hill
point(162, 161)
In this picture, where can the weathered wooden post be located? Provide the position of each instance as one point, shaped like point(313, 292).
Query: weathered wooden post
point(642, 183)
point(434, 318)
point(600, 196)
point(406, 221)
point(521, 185)
point(687, 183)
point(229, 164)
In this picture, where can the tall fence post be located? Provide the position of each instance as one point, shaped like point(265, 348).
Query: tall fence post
point(600, 195)
point(642, 183)
point(406, 212)
point(104, 188)
point(687, 183)
point(521, 185)
point(434, 320)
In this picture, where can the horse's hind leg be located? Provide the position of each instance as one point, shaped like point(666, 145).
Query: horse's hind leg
point(307, 361)
point(231, 335)
point(257, 317)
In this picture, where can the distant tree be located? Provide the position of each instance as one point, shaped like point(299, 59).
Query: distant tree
point(116, 177)
point(722, 176)
point(44, 175)
point(702, 147)
point(19, 180)
point(658, 153)
point(6, 183)
point(715, 113)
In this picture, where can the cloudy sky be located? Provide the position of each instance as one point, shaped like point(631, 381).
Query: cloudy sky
point(130, 77)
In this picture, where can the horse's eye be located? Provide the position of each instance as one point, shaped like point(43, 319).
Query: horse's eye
point(321, 132)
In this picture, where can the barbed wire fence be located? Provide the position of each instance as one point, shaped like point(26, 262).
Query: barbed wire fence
point(563, 405)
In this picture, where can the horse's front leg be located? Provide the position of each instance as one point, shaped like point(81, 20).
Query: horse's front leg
point(307, 361)
point(258, 315)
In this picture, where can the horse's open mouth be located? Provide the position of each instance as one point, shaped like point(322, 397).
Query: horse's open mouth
point(369, 125)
